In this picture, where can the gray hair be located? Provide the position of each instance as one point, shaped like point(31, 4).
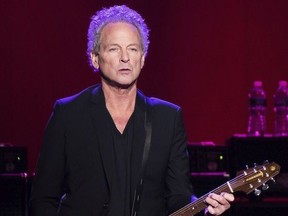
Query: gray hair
point(115, 14)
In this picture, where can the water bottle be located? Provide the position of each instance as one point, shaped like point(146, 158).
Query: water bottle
point(257, 110)
point(281, 109)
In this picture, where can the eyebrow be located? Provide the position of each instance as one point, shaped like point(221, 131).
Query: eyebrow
point(115, 44)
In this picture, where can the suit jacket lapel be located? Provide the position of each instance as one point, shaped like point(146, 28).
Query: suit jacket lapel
point(105, 139)
point(138, 140)
point(103, 133)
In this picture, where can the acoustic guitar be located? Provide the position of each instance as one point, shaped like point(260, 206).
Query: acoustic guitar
point(247, 181)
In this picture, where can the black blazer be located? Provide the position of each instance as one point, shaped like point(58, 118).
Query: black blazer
point(74, 172)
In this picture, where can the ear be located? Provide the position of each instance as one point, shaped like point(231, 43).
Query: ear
point(142, 61)
point(95, 60)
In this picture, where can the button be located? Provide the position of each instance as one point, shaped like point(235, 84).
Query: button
point(106, 205)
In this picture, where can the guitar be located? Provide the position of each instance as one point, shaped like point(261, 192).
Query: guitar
point(246, 181)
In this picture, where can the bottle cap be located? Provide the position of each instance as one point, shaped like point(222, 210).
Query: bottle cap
point(257, 83)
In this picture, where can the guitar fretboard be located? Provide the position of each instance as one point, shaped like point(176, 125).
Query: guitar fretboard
point(199, 204)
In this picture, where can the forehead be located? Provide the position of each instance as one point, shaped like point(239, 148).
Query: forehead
point(120, 31)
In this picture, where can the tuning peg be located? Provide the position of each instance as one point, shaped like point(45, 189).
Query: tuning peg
point(254, 169)
point(247, 167)
point(257, 192)
point(265, 186)
point(273, 180)
point(266, 162)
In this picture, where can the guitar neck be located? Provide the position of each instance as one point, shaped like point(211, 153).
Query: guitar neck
point(245, 181)
point(199, 204)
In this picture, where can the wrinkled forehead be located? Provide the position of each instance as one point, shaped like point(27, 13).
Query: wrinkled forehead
point(120, 31)
point(120, 24)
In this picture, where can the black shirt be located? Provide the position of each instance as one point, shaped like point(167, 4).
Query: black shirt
point(121, 197)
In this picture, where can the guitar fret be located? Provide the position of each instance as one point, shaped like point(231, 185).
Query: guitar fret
point(231, 190)
point(241, 182)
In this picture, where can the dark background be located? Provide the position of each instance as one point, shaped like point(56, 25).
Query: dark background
point(204, 56)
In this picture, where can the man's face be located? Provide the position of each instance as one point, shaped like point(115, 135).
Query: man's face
point(120, 57)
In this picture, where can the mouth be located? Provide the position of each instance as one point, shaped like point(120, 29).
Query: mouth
point(124, 70)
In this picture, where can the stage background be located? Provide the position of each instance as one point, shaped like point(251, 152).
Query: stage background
point(204, 56)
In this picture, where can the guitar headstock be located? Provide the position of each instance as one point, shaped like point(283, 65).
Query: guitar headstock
point(246, 181)
point(252, 178)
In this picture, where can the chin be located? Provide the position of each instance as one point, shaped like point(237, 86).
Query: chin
point(125, 84)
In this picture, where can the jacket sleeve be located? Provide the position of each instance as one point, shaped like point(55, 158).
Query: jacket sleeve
point(47, 186)
point(178, 177)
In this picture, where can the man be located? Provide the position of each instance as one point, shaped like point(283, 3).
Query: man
point(110, 150)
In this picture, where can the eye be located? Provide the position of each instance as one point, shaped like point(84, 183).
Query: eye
point(113, 49)
point(133, 49)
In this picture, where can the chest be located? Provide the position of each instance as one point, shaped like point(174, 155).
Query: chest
point(120, 120)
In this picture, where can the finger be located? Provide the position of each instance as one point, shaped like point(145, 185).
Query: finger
point(210, 200)
point(211, 210)
point(218, 201)
point(215, 211)
point(222, 198)
point(228, 196)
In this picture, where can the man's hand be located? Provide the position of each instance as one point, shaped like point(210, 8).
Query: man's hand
point(217, 204)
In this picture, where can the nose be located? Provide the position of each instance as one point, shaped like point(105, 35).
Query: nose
point(124, 56)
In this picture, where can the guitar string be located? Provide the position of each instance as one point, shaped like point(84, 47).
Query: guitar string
point(201, 199)
point(217, 190)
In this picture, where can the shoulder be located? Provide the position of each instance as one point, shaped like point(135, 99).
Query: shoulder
point(79, 97)
point(157, 103)
point(75, 107)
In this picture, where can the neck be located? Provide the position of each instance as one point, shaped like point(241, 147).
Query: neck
point(120, 103)
point(119, 99)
